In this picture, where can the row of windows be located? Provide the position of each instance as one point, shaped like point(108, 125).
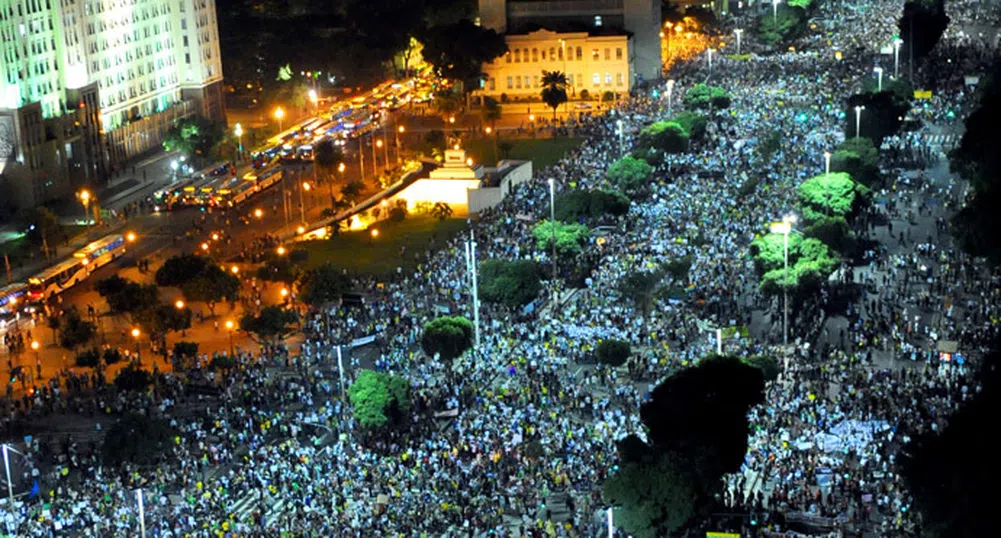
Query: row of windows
point(160, 45)
point(122, 96)
point(556, 54)
point(33, 6)
point(527, 81)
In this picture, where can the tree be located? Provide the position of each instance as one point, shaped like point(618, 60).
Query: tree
point(177, 270)
point(323, 285)
point(43, 227)
point(948, 490)
point(447, 336)
point(705, 96)
point(211, 286)
point(511, 283)
point(613, 352)
point(133, 379)
point(88, 358)
point(378, 399)
point(833, 232)
point(448, 103)
point(352, 190)
point(458, 51)
point(882, 115)
point(124, 296)
point(830, 195)
point(194, 136)
point(667, 136)
point(326, 157)
point(554, 89)
point(138, 440)
point(768, 365)
point(858, 158)
point(921, 26)
point(75, 331)
point(787, 24)
point(697, 428)
point(629, 174)
point(640, 287)
point(810, 262)
point(595, 204)
point(441, 211)
point(491, 111)
point(693, 123)
point(271, 325)
point(569, 238)
point(186, 349)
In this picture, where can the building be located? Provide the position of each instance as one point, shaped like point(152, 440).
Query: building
point(596, 62)
point(88, 85)
point(466, 187)
point(638, 19)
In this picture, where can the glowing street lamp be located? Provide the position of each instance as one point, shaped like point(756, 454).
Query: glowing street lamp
point(785, 228)
point(84, 197)
point(205, 247)
point(238, 131)
point(284, 293)
point(279, 115)
point(775, 11)
point(375, 233)
point(313, 98)
point(235, 270)
point(858, 119)
point(131, 237)
point(259, 213)
point(281, 251)
point(135, 336)
point(738, 33)
point(896, 56)
point(179, 304)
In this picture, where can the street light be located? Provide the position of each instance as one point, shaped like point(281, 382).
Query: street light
point(205, 247)
point(552, 223)
point(670, 93)
point(238, 131)
point(618, 130)
point(279, 115)
point(131, 237)
point(135, 335)
point(235, 270)
point(313, 98)
point(710, 61)
point(775, 11)
point(10, 484)
point(399, 149)
point(858, 119)
point(38, 360)
point(179, 304)
point(84, 197)
point(281, 251)
point(229, 329)
point(784, 228)
point(304, 186)
point(738, 32)
point(259, 213)
point(896, 56)
point(879, 78)
point(284, 293)
point(827, 164)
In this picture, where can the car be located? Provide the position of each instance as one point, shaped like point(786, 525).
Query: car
point(582, 106)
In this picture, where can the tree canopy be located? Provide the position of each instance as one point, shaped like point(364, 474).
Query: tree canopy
point(706, 97)
point(786, 25)
point(629, 174)
point(667, 136)
point(75, 331)
point(554, 89)
point(458, 50)
point(569, 238)
point(693, 123)
point(137, 439)
point(177, 270)
point(511, 283)
point(323, 285)
point(447, 336)
point(211, 286)
point(194, 136)
point(580, 204)
point(921, 26)
point(810, 261)
point(858, 158)
point(273, 323)
point(613, 352)
point(834, 195)
point(379, 398)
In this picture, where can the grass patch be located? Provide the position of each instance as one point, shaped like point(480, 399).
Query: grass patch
point(542, 152)
point(360, 253)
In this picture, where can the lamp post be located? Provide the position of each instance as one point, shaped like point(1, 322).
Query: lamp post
point(142, 514)
point(375, 160)
point(858, 119)
point(84, 197)
point(280, 115)
point(385, 151)
point(784, 228)
point(229, 328)
point(238, 131)
point(670, 95)
point(879, 78)
point(896, 56)
point(399, 149)
point(361, 160)
point(10, 484)
point(474, 285)
point(135, 335)
point(710, 51)
point(38, 360)
point(775, 11)
point(304, 186)
point(738, 32)
point(313, 98)
point(552, 220)
point(340, 371)
point(611, 526)
point(618, 130)
point(827, 164)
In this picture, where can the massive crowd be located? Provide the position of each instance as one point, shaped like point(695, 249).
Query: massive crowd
point(532, 424)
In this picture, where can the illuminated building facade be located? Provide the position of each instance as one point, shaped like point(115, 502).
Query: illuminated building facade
point(88, 85)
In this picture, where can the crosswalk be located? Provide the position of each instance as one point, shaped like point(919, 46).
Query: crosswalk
point(244, 508)
point(941, 139)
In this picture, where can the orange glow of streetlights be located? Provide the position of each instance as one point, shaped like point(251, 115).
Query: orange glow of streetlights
point(205, 246)
point(279, 113)
point(451, 119)
point(401, 129)
point(531, 117)
point(229, 325)
point(284, 292)
point(131, 237)
point(300, 230)
point(306, 186)
point(378, 143)
point(84, 196)
point(281, 251)
point(375, 232)
point(135, 333)
point(258, 213)
point(215, 237)
point(235, 270)
point(341, 167)
point(469, 161)
point(488, 130)
point(35, 345)
point(179, 304)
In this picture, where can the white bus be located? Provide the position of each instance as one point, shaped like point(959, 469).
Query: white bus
point(101, 252)
point(57, 279)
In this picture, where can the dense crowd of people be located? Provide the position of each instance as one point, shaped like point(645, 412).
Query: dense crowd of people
point(530, 423)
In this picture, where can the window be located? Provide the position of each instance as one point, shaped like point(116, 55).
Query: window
point(528, 81)
point(618, 53)
point(535, 81)
point(187, 58)
point(608, 54)
point(493, 83)
point(510, 82)
point(594, 55)
point(552, 54)
point(581, 80)
point(608, 79)
point(561, 51)
point(597, 20)
point(580, 53)
point(618, 79)
point(507, 57)
point(570, 80)
point(596, 79)
point(517, 56)
point(535, 55)
point(185, 41)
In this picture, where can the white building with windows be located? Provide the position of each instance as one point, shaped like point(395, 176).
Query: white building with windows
point(598, 62)
point(89, 85)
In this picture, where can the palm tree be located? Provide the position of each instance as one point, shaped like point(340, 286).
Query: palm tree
point(491, 111)
point(554, 89)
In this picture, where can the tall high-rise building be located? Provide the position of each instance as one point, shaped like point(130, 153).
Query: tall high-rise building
point(639, 19)
point(88, 85)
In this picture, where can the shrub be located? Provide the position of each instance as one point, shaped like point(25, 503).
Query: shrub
point(112, 356)
point(448, 337)
point(378, 398)
point(511, 283)
point(693, 123)
point(613, 352)
point(137, 439)
point(88, 358)
point(629, 174)
point(397, 214)
point(666, 136)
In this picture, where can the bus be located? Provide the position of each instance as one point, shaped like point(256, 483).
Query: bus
point(101, 252)
point(57, 279)
point(11, 296)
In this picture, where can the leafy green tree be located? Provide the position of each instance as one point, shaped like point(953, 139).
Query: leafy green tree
point(833, 195)
point(613, 352)
point(704, 96)
point(569, 238)
point(653, 497)
point(802, 4)
point(326, 157)
point(352, 190)
point(271, 325)
point(279, 269)
point(693, 123)
point(378, 399)
point(640, 287)
point(194, 136)
point(788, 24)
point(554, 89)
point(510, 283)
point(629, 174)
point(458, 51)
point(211, 286)
point(858, 158)
point(833, 232)
point(186, 349)
point(76, 332)
point(768, 365)
point(447, 336)
point(595, 204)
point(138, 440)
point(177, 270)
point(124, 296)
point(111, 356)
point(323, 285)
point(921, 27)
point(810, 262)
point(666, 136)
